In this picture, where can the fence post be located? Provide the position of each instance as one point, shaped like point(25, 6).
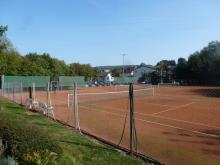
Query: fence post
point(30, 92)
point(2, 84)
point(21, 93)
point(33, 86)
point(8, 89)
point(13, 92)
point(48, 96)
point(75, 106)
point(131, 98)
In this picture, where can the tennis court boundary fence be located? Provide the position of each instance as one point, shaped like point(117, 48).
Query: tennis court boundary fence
point(10, 89)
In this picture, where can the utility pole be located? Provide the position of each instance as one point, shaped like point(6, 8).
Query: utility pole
point(123, 57)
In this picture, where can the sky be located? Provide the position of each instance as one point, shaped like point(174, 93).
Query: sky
point(100, 31)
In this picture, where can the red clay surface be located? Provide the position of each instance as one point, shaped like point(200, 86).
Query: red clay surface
point(178, 125)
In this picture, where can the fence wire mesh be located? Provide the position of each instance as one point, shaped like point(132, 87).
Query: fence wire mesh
point(175, 125)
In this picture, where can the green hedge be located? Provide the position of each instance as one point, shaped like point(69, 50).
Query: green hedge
point(27, 144)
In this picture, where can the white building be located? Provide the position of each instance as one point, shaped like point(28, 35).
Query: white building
point(108, 77)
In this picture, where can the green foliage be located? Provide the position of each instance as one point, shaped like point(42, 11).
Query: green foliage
point(155, 77)
point(3, 41)
point(202, 68)
point(144, 77)
point(116, 72)
point(42, 158)
point(5, 44)
point(76, 69)
point(39, 140)
point(25, 141)
point(33, 64)
point(165, 69)
point(143, 64)
point(181, 70)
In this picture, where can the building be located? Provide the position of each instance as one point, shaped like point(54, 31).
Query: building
point(126, 71)
point(134, 71)
point(108, 78)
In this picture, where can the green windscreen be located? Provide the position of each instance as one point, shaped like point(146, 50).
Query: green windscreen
point(40, 81)
point(69, 80)
point(124, 79)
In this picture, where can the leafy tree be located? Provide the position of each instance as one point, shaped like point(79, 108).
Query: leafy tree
point(181, 71)
point(116, 72)
point(155, 77)
point(165, 69)
point(143, 64)
point(3, 64)
point(74, 69)
point(145, 77)
point(12, 63)
point(202, 66)
point(5, 44)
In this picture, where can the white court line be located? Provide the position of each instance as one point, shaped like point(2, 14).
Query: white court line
point(174, 108)
point(192, 131)
point(157, 123)
point(183, 121)
point(156, 116)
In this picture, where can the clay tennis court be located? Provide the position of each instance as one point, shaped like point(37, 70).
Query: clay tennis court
point(178, 125)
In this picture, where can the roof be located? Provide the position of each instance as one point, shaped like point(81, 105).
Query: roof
point(115, 67)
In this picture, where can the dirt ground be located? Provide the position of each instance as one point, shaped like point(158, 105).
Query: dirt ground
point(178, 125)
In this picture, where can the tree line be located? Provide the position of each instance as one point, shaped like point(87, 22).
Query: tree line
point(201, 68)
point(34, 64)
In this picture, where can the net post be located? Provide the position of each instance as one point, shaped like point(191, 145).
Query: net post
point(68, 101)
point(131, 99)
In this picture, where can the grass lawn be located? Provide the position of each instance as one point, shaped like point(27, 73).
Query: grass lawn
point(35, 139)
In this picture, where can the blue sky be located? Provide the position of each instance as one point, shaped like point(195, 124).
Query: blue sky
point(99, 31)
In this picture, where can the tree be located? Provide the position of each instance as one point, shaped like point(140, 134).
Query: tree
point(116, 72)
point(181, 70)
point(202, 66)
point(145, 77)
point(13, 64)
point(74, 69)
point(5, 44)
point(165, 69)
point(143, 64)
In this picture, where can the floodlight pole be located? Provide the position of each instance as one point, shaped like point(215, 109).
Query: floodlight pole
point(123, 58)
